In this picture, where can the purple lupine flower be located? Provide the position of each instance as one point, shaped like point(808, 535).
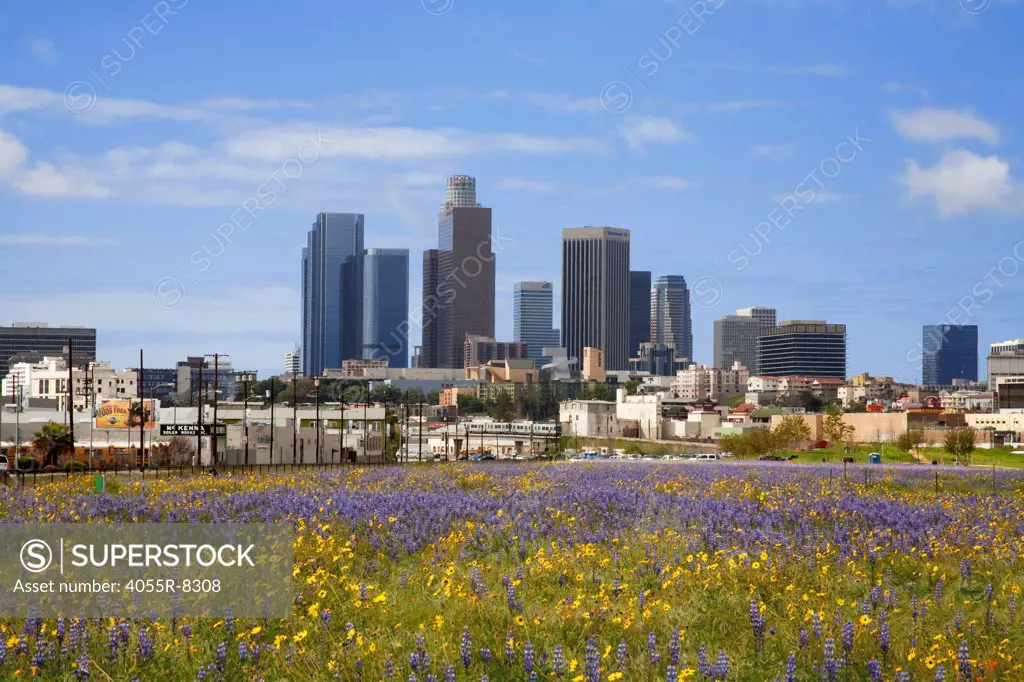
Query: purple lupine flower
point(757, 623)
point(958, 620)
point(966, 568)
point(255, 655)
point(703, 667)
point(186, 630)
point(940, 673)
point(431, 677)
point(673, 648)
point(528, 658)
point(652, 648)
point(243, 651)
point(939, 586)
point(671, 675)
point(362, 592)
point(720, 670)
point(816, 625)
point(558, 661)
point(449, 674)
point(3, 651)
point(413, 678)
point(621, 656)
point(875, 670)
point(510, 653)
point(642, 599)
point(805, 639)
point(484, 678)
point(791, 667)
point(902, 676)
point(592, 661)
point(112, 643)
point(485, 656)
point(82, 667)
point(466, 648)
point(147, 646)
point(883, 639)
point(846, 637)
point(220, 660)
point(963, 658)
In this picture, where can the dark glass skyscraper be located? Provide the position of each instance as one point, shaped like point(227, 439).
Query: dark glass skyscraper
point(595, 293)
point(332, 292)
point(639, 310)
point(670, 314)
point(32, 338)
point(948, 352)
point(429, 310)
point(386, 306)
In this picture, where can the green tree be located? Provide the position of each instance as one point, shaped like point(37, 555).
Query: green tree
point(960, 443)
point(503, 408)
point(386, 393)
point(434, 398)
point(633, 385)
point(52, 441)
point(910, 440)
point(836, 430)
point(792, 431)
point(470, 405)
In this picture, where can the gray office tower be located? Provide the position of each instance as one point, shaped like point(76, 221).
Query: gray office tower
point(32, 341)
point(639, 311)
point(332, 292)
point(670, 315)
point(386, 306)
point(463, 299)
point(736, 340)
point(533, 307)
point(809, 348)
point(429, 310)
point(949, 351)
point(595, 293)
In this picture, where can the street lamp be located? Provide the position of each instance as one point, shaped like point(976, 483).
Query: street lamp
point(245, 378)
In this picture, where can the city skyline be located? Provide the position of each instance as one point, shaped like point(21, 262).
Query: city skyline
point(699, 157)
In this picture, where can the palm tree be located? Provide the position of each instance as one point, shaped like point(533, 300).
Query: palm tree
point(53, 440)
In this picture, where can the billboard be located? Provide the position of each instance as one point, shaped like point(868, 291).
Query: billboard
point(124, 414)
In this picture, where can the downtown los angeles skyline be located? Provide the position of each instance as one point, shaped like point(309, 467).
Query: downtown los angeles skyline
point(861, 166)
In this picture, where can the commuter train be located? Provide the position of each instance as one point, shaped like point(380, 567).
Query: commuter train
point(524, 429)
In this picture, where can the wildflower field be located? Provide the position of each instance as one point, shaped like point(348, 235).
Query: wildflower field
point(578, 572)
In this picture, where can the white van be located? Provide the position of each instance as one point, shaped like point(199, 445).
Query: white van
point(705, 457)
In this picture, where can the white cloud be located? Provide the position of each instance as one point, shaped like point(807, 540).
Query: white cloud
point(642, 130)
point(513, 184)
point(51, 240)
point(942, 125)
point(963, 181)
point(42, 49)
point(43, 179)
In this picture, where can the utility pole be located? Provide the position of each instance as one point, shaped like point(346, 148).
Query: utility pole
point(142, 413)
point(421, 430)
point(216, 400)
point(316, 385)
point(246, 377)
point(71, 398)
point(341, 446)
point(295, 420)
point(272, 423)
point(366, 434)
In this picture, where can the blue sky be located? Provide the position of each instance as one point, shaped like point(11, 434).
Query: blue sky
point(855, 161)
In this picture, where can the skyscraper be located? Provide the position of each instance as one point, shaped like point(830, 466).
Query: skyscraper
point(809, 348)
point(639, 310)
point(463, 299)
point(386, 306)
point(595, 293)
point(670, 314)
point(736, 341)
point(429, 310)
point(332, 292)
point(533, 307)
point(39, 338)
point(765, 316)
point(949, 351)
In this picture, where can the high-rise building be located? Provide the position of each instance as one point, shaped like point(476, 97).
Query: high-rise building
point(533, 306)
point(293, 362)
point(657, 359)
point(40, 339)
point(1005, 359)
point(736, 341)
point(464, 295)
point(949, 351)
point(595, 293)
point(332, 292)
point(807, 348)
point(764, 316)
point(479, 350)
point(194, 369)
point(386, 306)
point(639, 310)
point(429, 310)
point(670, 314)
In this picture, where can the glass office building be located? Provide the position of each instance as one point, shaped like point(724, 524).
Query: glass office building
point(808, 348)
point(639, 310)
point(386, 306)
point(332, 292)
point(670, 314)
point(948, 352)
point(533, 309)
point(41, 340)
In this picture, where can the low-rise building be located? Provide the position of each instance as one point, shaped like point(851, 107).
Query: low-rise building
point(703, 382)
point(593, 365)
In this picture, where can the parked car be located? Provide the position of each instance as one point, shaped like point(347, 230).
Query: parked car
point(705, 457)
point(4, 464)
